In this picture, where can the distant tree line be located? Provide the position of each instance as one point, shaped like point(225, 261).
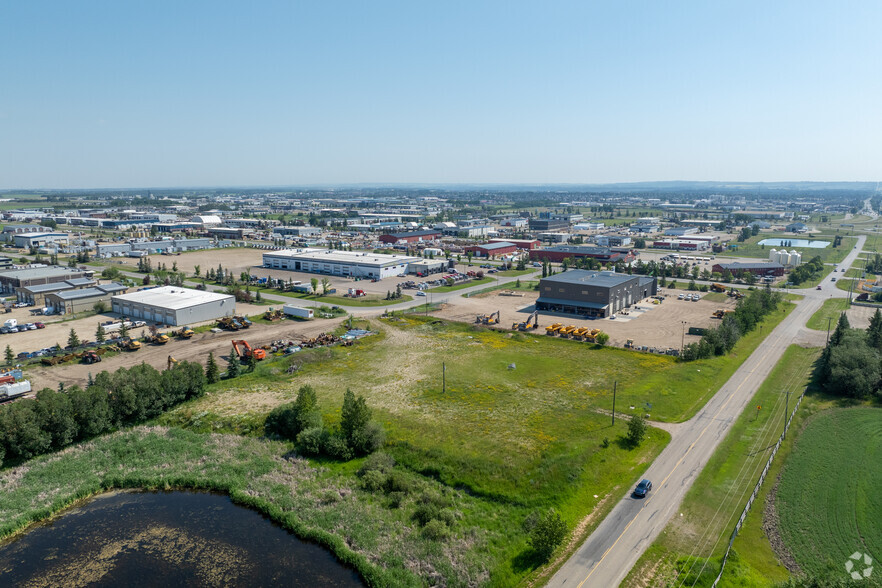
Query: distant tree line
point(55, 419)
point(301, 421)
point(720, 340)
point(851, 365)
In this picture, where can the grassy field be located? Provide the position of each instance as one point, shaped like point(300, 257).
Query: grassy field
point(691, 546)
point(369, 300)
point(834, 464)
point(323, 504)
point(831, 309)
point(750, 248)
point(462, 285)
point(516, 427)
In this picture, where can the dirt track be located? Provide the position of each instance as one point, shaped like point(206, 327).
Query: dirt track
point(196, 349)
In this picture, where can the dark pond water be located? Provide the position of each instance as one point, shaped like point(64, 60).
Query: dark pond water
point(166, 539)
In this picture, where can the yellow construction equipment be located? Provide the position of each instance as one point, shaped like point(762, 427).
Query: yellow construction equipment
point(532, 322)
point(579, 333)
point(553, 329)
point(565, 332)
point(159, 339)
point(273, 315)
point(718, 287)
point(629, 344)
point(185, 333)
point(591, 336)
point(720, 313)
point(130, 344)
point(171, 362)
point(488, 319)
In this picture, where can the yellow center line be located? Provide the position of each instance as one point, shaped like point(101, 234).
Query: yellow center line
point(677, 465)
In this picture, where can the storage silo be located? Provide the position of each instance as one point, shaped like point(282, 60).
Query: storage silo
point(773, 255)
point(795, 257)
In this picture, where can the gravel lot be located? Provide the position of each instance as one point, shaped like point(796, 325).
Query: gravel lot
point(652, 325)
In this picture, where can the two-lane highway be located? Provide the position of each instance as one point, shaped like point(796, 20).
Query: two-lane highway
point(614, 547)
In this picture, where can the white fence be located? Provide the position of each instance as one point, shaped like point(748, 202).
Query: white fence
point(756, 489)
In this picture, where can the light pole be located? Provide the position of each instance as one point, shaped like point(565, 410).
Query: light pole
point(829, 320)
point(683, 339)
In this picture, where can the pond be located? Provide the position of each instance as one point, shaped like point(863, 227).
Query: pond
point(166, 539)
point(794, 243)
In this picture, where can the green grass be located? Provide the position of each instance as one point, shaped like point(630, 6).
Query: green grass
point(828, 499)
point(846, 284)
point(322, 504)
point(831, 309)
point(829, 254)
point(716, 499)
point(515, 273)
point(461, 285)
point(366, 301)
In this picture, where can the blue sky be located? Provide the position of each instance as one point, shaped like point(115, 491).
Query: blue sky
point(188, 93)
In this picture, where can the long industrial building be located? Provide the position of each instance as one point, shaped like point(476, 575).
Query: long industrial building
point(339, 263)
point(593, 294)
point(173, 305)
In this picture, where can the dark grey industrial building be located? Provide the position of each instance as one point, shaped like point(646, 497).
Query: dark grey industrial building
point(593, 294)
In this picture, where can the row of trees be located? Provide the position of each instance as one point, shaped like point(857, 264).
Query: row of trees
point(851, 365)
point(302, 422)
point(53, 420)
point(750, 311)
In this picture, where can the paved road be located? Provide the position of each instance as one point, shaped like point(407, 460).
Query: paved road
point(614, 547)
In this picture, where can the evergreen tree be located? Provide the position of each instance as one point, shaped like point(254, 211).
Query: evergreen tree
point(100, 335)
point(212, 374)
point(234, 366)
point(10, 357)
point(841, 328)
point(73, 340)
point(874, 331)
point(251, 362)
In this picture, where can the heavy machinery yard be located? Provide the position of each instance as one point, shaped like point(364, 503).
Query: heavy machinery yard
point(660, 326)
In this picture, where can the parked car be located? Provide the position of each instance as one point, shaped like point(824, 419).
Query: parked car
point(40, 325)
point(31, 327)
point(420, 293)
point(643, 488)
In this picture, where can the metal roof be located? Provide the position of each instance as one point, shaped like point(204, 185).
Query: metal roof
point(82, 293)
point(497, 245)
point(737, 265)
point(563, 302)
point(41, 272)
point(344, 257)
point(173, 297)
point(590, 278)
point(580, 249)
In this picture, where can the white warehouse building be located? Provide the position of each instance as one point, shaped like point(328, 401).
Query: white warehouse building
point(173, 305)
point(339, 263)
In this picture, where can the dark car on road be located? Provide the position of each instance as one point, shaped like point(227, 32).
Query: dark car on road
point(642, 488)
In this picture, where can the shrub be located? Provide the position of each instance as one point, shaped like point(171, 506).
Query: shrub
point(381, 462)
point(548, 533)
point(311, 441)
point(636, 430)
point(368, 439)
point(373, 481)
point(398, 482)
point(395, 499)
point(334, 446)
point(436, 530)
point(429, 507)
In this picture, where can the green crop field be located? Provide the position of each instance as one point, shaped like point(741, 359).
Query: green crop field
point(692, 545)
point(829, 310)
point(828, 502)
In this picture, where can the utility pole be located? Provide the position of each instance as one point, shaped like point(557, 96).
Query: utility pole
point(443, 378)
point(786, 408)
point(615, 385)
point(683, 339)
point(829, 320)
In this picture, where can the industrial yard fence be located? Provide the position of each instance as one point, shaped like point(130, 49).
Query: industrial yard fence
point(756, 489)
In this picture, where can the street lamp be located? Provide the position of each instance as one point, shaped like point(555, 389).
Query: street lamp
point(683, 338)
